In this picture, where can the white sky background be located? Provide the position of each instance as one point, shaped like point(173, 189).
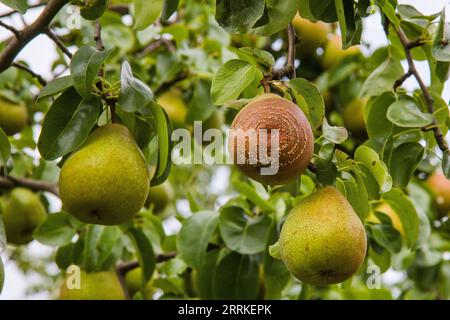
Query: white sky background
point(40, 53)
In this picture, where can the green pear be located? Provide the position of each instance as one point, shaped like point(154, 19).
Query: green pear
point(133, 280)
point(173, 103)
point(354, 117)
point(103, 285)
point(312, 35)
point(13, 117)
point(106, 181)
point(333, 53)
point(440, 186)
point(160, 196)
point(322, 240)
point(23, 211)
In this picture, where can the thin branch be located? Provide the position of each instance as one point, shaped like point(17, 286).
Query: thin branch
point(98, 36)
point(38, 77)
point(54, 37)
point(120, 9)
point(10, 28)
point(426, 93)
point(289, 69)
point(155, 45)
point(402, 79)
point(35, 185)
point(124, 267)
point(15, 45)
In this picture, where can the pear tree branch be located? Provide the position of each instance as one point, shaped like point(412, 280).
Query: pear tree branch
point(10, 28)
point(54, 37)
point(16, 44)
point(35, 185)
point(412, 71)
point(23, 67)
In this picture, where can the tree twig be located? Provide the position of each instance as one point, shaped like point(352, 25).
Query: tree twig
point(35, 185)
point(38, 77)
point(124, 267)
point(289, 68)
point(98, 36)
point(426, 93)
point(54, 37)
point(15, 45)
point(10, 28)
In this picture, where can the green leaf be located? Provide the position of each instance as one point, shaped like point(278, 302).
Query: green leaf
point(146, 12)
point(276, 17)
point(135, 95)
point(205, 274)
point(387, 237)
point(334, 134)
point(67, 124)
point(406, 211)
point(372, 161)
point(56, 86)
point(5, 148)
point(3, 241)
point(19, 5)
point(165, 144)
point(324, 10)
point(446, 164)
point(231, 79)
point(326, 170)
point(200, 107)
point(56, 230)
point(356, 193)
point(404, 162)
point(263, 57)
point(377, 124)
point(2, 275)
point(252, 195)
point(170, 7)
point(389, 11)
point(350, 29)
point(194, 237)
point(382, 78)
point(312, 96)
point(406, 113)
point(144, 252)
point(241, 233)
point(236, 277)
point(84, 67)
point(441, 45)
point(99, 243)
point(238, 16)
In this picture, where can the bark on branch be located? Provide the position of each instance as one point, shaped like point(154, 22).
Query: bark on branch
point(35, 185)
point(30, 32)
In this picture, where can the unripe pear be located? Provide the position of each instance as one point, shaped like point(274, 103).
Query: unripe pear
point(312, 35)
point(296, 141)
point(333, 53)
point(133, 280)
point(106, 181)
point(160, 196)
point(440, 185)
point(173, 103)
point(13, 117)
point(103, 285)
point(323, 240)
point(354, 117)
point(387, 210)
point(23, 211)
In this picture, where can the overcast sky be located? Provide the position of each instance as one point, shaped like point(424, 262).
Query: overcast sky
point(40, 54)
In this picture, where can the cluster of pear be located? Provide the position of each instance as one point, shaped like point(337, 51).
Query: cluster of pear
point(13, 117)
point(315, 35)
point(322, 240)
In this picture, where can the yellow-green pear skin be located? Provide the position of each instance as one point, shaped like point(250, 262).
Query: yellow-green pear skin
point(133, 280)
point(103, 285)
point(106, 181)
point(322, 240)
point(354, 117)
point(333, 53)
point(173, 103)
point(23, 211)
point(160, 196)
point(13, 117)
point(312, 35)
